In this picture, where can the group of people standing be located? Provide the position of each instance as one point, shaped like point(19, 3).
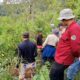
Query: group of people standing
point(61, 47)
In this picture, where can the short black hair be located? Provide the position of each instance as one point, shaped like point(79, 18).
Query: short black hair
point(26, 35)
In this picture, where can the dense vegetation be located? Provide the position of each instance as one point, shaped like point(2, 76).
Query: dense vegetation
point(33, 16)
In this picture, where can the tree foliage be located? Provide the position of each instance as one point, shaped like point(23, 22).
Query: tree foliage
point(31, 16)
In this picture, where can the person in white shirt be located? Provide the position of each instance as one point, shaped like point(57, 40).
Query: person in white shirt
point(49, 46)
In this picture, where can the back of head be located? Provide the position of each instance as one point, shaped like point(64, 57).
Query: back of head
point(26, 35)
point(55, 31)
point(60, 26)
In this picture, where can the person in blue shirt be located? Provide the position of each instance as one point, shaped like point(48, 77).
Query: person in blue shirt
point(27, 51)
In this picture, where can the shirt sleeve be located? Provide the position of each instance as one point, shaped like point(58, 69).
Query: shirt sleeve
point(18, 51)
point(35, 52)
point(75, 41)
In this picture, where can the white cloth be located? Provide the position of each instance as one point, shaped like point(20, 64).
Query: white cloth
point(51, 40)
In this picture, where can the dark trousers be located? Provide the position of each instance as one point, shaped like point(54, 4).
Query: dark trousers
point(57, 71)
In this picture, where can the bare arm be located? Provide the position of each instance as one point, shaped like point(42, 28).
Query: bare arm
point(45, 43)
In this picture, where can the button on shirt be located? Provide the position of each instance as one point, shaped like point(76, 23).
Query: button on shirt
point(69, 45)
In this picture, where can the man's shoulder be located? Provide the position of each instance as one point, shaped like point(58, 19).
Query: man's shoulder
point(21, 44)
point(50, 35)
point(26, 43)
point(33, 43)
point(75, 27)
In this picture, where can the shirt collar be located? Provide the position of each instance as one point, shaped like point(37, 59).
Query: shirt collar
point(26, 40)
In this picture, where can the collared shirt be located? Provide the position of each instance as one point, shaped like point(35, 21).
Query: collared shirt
point(69, 45)
point(52, 39)
point(27, 51)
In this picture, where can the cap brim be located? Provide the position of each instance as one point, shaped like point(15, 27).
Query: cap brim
point(61, 18)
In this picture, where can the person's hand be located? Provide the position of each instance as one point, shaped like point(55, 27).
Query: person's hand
point(79, 58)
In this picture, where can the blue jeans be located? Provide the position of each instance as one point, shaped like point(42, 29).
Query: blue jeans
point(73, 69)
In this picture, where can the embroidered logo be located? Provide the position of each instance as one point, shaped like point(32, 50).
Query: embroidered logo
point(73, 37)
